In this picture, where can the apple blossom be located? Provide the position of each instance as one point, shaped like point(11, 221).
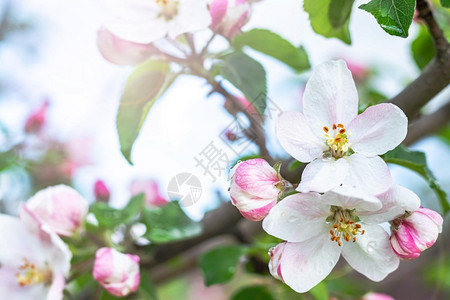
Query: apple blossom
point(255, 188)
point(33, 263)
point(59, 208)
point(120, 51)
point(101, 191)
point(376, 296)
point(151, 190)
point(275, 257)
point(228, 16)
point(144, 21)
point(319, 228)
point(415, 232)
point(118, 273)
point(341, 146)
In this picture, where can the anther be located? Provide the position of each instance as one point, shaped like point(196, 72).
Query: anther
point(342, 131)
point(325, 128)
point(334, 127)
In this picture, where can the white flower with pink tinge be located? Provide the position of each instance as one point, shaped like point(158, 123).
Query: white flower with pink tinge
point(144, 21)
point(341, 146)
point(58, 208)
point(319, 228)
point(415, 232)
point(118, 273)
point(255, 187)
point(33, 262)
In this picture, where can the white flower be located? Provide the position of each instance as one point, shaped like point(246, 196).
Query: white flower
point(144, 21)
point(318, 228)
point(33, 263)
point(342, 147)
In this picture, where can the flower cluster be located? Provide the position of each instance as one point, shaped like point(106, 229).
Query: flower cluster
point(36, 262)
point(140, 26)
point(346, 190)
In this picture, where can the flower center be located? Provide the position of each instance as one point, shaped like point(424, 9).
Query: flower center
point(169, 8)
point(337, 140)
point(28, 274)
point(344, 225)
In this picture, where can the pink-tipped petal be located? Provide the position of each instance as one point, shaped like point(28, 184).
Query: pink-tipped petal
point(371, 254)
point(306, 264)
point(297, 138)
point(378, 129)
point(217, 9)
point(257, 177)
point(330, 95)
point(251, 207)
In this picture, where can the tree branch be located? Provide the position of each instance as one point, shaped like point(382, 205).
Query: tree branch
point(428, 124)
point(436, 75)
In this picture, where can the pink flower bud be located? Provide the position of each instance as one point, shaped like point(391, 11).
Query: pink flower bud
point(228, 16)
point(151, 190)
point(101, 191)
point(415, 232)
point(254, 188)
point(274, 263)
point(376, 296)
point(118, 273)
point(122, 52)
point(37, 119)
point(59, 208)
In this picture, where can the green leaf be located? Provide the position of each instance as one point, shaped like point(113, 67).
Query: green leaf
point(253, 293)
point(144, 86)
point(169, 223)
point(320, 292)
point(445, 3)
point(339, 12)
point(394, 16)
point(247, 75)
point(270, 43)
point(146, 289)
point(416, 161)
point(422, 48)
point(220, 264)
point(111, 217)
point(318, 11)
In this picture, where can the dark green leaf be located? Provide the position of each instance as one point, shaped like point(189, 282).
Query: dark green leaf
point(318, 11)
point(146, 289)
point(320, 292)
point(270, 43)
point(422, 48)
point(112, 217)
point(444, 134)
point(445, 3)
point(219, 265)
point(394, 16)
point(144, 86)
point(416, 161)
point(339, 12)
point(169, 223)
point(248, 76)
point(253, 293)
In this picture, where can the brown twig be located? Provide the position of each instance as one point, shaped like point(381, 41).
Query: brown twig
point(426, 14)
point(428, 124)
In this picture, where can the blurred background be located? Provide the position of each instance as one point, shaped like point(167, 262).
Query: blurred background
point(59, 99)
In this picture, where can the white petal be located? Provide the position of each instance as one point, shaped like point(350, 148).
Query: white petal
point(372, 254)
point(350, 198)
point(322, 175)
point(330, 95)
point(378, 129)
point(395, 202)
point(143, 32)
point(296, 137)
point(193, 15)
point(305, 264)
point(298, 217)
point(371, 174)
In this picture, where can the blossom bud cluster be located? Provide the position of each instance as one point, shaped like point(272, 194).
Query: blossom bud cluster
point(346, 190)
